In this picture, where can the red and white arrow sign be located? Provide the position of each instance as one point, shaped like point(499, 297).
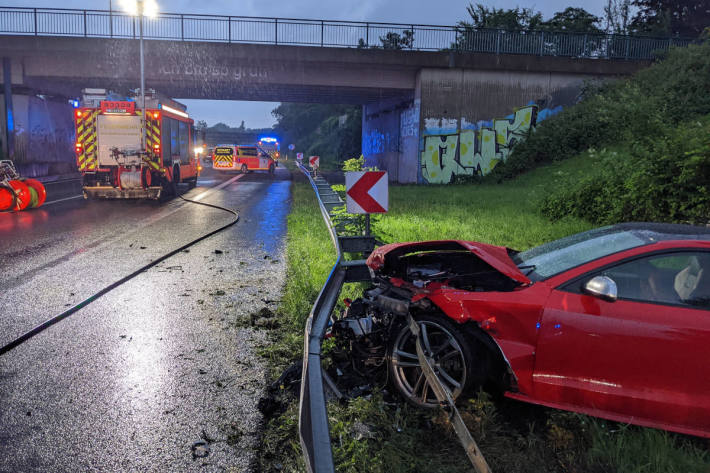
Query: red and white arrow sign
point(366, 192)
point(314, 161)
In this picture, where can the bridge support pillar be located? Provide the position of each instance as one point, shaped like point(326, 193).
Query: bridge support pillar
point(390, 137)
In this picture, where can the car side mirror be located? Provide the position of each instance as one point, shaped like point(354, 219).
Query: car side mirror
point(602, 287)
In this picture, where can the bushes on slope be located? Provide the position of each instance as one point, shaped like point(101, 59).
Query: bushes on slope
point(670, 91)
point(664, 178)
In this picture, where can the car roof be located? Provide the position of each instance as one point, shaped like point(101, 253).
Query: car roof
point(653, 232)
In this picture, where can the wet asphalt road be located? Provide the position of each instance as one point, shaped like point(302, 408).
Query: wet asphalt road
point(132, 381)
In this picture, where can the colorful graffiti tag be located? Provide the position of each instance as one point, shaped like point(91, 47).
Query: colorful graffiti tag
point(472, 152)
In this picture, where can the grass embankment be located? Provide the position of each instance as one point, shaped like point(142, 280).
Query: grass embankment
point(372, 435)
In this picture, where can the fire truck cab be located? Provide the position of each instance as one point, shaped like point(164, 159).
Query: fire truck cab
point(109, 150)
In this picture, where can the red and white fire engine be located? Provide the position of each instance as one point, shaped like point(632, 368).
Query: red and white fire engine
point(110, 152)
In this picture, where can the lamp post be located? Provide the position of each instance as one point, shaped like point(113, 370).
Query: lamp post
point(141, 8)
point(140, 28)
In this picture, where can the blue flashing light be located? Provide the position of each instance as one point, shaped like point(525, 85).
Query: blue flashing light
point(10, 121)
point(269, 139)
point(558, 325)
point(537, 326)
point(75, 103)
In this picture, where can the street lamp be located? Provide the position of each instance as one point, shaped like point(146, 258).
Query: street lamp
point(141, 8)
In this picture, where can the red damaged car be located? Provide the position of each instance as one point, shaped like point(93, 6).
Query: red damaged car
point(613, 322)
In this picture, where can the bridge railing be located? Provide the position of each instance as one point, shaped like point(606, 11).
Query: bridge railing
point(327, 33)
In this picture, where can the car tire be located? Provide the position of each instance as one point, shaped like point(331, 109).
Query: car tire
point(446, 342)
point(244, 169)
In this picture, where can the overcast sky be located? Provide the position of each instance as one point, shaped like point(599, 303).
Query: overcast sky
point(258, 114)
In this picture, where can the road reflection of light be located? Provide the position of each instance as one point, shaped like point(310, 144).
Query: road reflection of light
point(22, 221)
point(272, 211)
point(143, 369)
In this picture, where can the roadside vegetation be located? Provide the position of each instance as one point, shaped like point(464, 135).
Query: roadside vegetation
point(381, 434)
point(646, 141)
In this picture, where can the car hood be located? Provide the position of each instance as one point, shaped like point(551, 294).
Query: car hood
point(496, 256)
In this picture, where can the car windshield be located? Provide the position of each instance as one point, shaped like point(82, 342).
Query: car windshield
point(560, 255)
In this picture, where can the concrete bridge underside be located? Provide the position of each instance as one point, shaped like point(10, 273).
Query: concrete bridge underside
point(202, 70)
point(406, 95)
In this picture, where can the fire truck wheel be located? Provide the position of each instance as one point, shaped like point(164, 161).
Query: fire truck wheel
point(169, 187)
point(192, 183)
point(244, 169)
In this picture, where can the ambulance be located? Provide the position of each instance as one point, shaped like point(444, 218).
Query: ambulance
point(244, 158)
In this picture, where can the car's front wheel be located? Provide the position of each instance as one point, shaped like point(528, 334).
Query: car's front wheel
point(451, 355)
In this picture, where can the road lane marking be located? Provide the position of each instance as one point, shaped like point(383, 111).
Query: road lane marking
point(62, 200)
point(220, 186)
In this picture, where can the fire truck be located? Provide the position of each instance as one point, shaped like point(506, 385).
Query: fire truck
point(109, 150)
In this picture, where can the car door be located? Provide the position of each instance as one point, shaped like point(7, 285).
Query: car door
point(641, 358)
point(263, 160)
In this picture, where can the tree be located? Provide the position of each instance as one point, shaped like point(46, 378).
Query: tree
point(617, 16)
point(398, 41)
point(573, 20)
point(684, 18)
point(518, 19)
point(242, 127)
point(318, 129)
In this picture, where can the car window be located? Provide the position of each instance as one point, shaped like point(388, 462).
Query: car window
point(560, 255)
point(247, 151)
point(670, 278)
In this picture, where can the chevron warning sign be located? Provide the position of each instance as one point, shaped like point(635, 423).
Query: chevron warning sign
point(366, 192)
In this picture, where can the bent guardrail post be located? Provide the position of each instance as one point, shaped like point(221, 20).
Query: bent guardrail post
point(447, 402)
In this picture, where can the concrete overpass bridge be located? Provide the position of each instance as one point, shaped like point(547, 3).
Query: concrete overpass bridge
point(412, 80)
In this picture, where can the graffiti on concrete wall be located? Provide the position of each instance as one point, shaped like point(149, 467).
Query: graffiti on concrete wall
point(477, 150)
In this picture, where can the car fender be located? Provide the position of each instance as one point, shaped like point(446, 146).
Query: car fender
point(507, 319)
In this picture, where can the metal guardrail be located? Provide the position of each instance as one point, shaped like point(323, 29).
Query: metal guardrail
point(328, 33)
point(312, 415)
point(313, 427)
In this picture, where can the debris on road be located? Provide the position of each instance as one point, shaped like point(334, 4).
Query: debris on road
point(200, 449)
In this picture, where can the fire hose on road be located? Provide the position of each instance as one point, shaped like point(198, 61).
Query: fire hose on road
point(313, 417)
point(58, 318)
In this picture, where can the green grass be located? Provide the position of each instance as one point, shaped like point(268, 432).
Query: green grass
point(371, 435)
